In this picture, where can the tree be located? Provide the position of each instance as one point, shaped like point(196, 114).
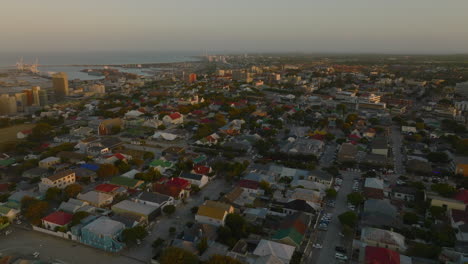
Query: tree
point(437, 211)
point(237, 222)
point(35, 211)
point(195, 188)
point(265, 186)
point(72, 190)
point(131, 235)
point(438, 157)
point(410, 218)
point(331, 193)
point(355, 198)
point(194, 209)
point(220, 259)
point(42, 131)
point(53, 194)
point(202, 246)
point(122, 166)
point(148, 155)
point(107, 170)
point(348, 218)
point(443, 189)
point(173, 255)
point(78, 216)
point(169, 209)
point(157, 243)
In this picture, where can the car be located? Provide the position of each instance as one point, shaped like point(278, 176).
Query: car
point(138, 241)
point(317, 246)
point(36, 254)
point(340, 249)
point(341, 256)
point(7, 232)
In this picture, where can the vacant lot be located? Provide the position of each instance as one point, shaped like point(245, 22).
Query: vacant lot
point(8, 134)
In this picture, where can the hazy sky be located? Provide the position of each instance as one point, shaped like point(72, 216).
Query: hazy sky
point(390, 26)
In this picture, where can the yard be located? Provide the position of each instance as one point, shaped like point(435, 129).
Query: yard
point(8, 134)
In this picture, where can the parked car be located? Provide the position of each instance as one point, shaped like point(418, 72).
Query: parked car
point(341, 256)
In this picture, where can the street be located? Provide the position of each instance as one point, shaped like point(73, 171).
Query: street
point(331, 238)
point(397, 152)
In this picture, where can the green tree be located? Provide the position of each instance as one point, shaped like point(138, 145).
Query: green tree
point(265, 186)
point(173, 255)
point(438, 157)
point(78, 216)
point(348, 218)
point(437, 211)
point(53, 194)
point(157, 243)
point(72, 190)
point(443, 189)
point(410, 218)
point(169, 209)
point(355, 198)
point(35, 210)
point(331, 193)
point(131, 235)
point(42, 131)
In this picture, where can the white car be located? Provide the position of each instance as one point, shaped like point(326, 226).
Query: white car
point(340, 256)
point(36, 254)
point(317, 246)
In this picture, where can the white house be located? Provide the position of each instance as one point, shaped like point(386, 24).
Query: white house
point(195, 179)
point(174, 119)
point(60, 180)
point(49, 162)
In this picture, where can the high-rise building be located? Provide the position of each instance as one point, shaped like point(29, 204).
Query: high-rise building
point(35, 92)
point(21, 101)
point(29, 97)
point(60, 85)
point(43, 98)
point(7, 104)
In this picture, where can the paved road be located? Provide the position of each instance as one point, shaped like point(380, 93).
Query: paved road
point(331, 238)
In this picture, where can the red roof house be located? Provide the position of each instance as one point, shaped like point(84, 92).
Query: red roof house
point(200, 169)
point(175, 116)
point(249, 184)
point(106, 188)
point(462, 196)
point(56, 219)
point(377, 255)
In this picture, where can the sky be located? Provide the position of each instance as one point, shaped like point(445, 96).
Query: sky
point(243, 26)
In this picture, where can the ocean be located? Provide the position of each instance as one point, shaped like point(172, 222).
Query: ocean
point(64, 62)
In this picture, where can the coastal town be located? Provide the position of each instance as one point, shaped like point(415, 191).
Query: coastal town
point(258, 159)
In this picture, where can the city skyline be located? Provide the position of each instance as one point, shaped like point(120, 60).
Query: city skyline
point(363, 26)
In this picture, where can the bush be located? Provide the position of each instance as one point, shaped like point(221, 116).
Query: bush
point(169, 209)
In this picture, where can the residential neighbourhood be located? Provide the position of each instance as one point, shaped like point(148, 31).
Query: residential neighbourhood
point(256, 159)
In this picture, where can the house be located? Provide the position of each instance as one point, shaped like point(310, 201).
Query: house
point(298, 206)
point(381, 255)
point(110, 126)
point(23, 134)
point(379, 146)
point(201, 169)
point(175, 187)
point(154, 199)
point(379, 213)
point(311, 196)
point(70, 156)
point(107, 188)
point(82, 132)
point(281, 251)
point(347, 153)
point(126, 182)
point(250, 186)
point(82, 173)
point(383, 238)
point(49, 162)
point(83, 145)
point(404, 193)
point(446, 203)
point(174, 119)
point(8, 212)
point(322, 177)
point(292, 230)
point(60, 180)
point(98, 199)
point(56, 220)
point(195, 179)
point(373, 188)
point(213, 213)
point(161, 165)
point(103, 233)
point(37, 172)
point(146, 211)
point(73, 205)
